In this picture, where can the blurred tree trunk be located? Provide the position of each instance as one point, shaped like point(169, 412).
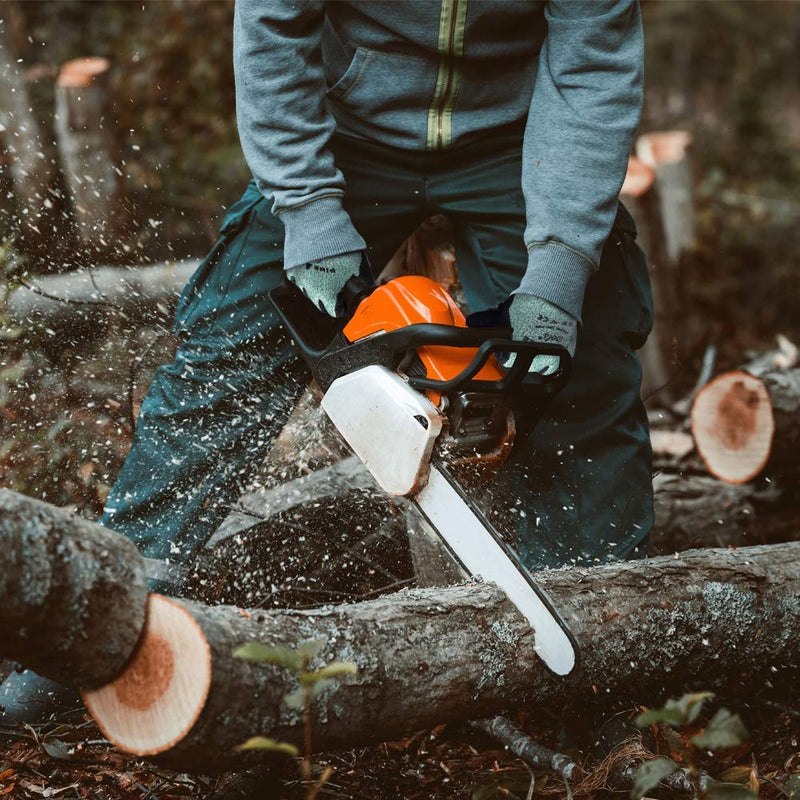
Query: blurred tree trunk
point(87, 146)
point(33, 167)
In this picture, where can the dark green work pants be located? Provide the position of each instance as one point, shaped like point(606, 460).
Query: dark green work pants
point(583, 485)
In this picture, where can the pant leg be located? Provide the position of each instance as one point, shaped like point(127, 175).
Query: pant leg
point(209, 417)
point(581, 478)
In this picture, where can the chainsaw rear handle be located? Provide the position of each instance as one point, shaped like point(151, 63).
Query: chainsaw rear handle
point(330, 355)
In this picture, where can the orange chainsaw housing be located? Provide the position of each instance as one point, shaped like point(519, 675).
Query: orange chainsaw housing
point(414, 299)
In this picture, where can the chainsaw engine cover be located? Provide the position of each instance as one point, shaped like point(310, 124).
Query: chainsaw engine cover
point(390, 426)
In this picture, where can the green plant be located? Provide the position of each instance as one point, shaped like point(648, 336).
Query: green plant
point(677, 719)
point(311, 684)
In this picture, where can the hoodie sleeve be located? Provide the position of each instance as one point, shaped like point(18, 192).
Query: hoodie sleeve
point(284, 127)
point(583, 117)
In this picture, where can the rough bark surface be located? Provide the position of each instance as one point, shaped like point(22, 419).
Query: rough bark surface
point(707, 618)
point(73, 593)
point(783, 387)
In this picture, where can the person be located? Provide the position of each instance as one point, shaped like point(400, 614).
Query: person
point(358, 120)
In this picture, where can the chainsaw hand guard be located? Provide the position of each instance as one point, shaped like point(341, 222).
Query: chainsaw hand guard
point(330, 355)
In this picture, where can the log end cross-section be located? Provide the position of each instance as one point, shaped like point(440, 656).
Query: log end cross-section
point(157, 698)
point(733, 425)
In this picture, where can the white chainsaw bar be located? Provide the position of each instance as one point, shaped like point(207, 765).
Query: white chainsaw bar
point(479, 549)
point(392, 429)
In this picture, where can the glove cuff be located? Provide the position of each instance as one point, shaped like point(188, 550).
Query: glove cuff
point(558, 274)
point(316, 230)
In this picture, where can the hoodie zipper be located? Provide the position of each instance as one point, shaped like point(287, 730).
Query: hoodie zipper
point(448, 79)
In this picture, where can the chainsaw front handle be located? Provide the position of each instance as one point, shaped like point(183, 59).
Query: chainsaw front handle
point(330, 355)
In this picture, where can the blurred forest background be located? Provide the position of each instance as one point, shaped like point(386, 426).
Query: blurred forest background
point(728, 72)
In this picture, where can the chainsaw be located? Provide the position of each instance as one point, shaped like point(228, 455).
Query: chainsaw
point(416, 392)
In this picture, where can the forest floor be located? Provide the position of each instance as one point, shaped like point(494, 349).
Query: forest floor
point(65, 416)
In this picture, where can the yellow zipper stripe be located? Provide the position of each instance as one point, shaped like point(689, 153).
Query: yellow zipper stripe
point(457, 45)
point(452, 24)
point(445, 24)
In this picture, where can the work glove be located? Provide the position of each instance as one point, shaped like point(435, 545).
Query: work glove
point(534, 319)
point(322, 281)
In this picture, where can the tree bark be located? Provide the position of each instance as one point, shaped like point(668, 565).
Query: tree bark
point(701, 511)
point(73, 593)
point(706, 619)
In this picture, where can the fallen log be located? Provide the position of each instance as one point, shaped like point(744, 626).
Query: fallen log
point(707, 618)
point(80, 300)
point(701, 511)
point(740, 423)
point(73, 593)
point(715, 617)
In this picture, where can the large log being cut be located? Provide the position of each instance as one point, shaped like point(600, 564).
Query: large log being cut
point(436, 655)
point(741, 422)
point(716, 617)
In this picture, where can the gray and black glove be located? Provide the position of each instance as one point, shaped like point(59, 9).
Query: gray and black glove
point(322, 281)
point(536, 320)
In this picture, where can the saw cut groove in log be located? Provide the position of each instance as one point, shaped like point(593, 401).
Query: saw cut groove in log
point(72, 594)
point(158, 697)
point(646, 629)
point(733, 425)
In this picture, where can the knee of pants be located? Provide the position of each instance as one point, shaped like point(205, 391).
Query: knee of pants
point(227, 298)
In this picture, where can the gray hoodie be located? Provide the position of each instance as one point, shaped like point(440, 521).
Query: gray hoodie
point(425, 75)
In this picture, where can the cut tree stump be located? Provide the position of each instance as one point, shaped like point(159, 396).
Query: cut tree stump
point(32, 163)
point(667, 153)
point(73, 593)
point(87, 148)
point(740, 423)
